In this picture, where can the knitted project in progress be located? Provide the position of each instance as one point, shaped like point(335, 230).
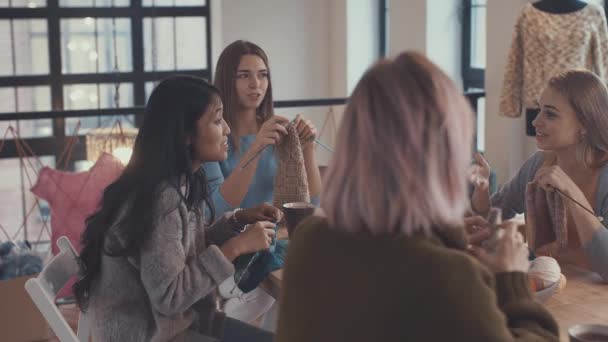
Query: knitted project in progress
point(291, 181)
point(546, 219)
point(290, 185)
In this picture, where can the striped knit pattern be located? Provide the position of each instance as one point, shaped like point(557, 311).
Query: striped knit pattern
point(545, 44)
point(291, 182)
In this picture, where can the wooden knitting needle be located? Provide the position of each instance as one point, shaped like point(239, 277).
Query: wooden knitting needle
point(264, 148)
point(600, 218)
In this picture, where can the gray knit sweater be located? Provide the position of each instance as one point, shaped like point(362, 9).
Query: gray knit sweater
point(152, 297)
point(511, 199)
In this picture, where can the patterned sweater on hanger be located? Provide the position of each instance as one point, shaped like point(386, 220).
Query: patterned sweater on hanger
point(545, 44)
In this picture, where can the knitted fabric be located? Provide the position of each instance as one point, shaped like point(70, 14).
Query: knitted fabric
point(290, 185)
point(546, 218)
point(291, 182)
point(265, 263)
point(545, 44)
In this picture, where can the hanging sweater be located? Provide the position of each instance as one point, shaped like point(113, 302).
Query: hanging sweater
point(545, 44)
point(339, 286)
point(167, 292)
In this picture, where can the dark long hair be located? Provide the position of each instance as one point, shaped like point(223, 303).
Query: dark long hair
point(225, 81)
point(160, 156)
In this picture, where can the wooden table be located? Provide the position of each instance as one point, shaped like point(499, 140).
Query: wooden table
point(583, 300)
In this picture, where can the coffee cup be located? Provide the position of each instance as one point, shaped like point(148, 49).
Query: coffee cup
point(295, 212)
point(588, 333)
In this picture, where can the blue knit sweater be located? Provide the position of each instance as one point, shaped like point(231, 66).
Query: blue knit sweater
point(262, 185)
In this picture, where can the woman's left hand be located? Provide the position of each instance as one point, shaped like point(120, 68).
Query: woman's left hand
point(306, 131)
point(553, 177)
point(262, 212)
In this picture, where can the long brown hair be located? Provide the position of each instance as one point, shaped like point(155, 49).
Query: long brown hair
point(225, 81)
point(402, 151)
point(588, 97)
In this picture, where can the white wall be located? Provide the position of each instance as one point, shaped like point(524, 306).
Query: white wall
point(432, 27)
point(362, 38)
point(407, 26)
point(507, 146)
point(444, 36)
point(317, 48)
point(293, 33)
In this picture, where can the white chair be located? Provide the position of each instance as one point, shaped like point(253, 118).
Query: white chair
point(43, 290)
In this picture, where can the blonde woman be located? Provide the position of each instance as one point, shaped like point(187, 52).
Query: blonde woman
point(572, 132)
point(389, 262)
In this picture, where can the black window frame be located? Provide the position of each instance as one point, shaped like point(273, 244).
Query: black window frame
point(472, 78)
point(56, 80)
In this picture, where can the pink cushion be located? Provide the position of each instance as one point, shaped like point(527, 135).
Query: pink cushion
point(74, 196)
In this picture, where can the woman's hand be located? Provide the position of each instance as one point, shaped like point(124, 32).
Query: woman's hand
point(256, 237)
point(510, 254)
point(477, 229)
point(262, 212)
point(271, 132)
point(306, 131)
point(480, 172)
point(553, 177)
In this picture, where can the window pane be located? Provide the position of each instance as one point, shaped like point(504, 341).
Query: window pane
point(17, 201)
point(23, 3)
point(88, 123)
point(149, 88)
point(30, 54)
point(26, 99)
point(175, 43)
point(174, 2)
point(478, 35)
point(94, 3)
point(88, 45)
point(93, 96)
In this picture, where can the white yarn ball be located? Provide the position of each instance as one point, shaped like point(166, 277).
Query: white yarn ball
point(545, 271)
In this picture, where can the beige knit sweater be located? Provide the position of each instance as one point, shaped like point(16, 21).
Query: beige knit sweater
point(545, 44)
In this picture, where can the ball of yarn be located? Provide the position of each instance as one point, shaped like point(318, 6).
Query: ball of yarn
point(545, 271)
point(562, 282)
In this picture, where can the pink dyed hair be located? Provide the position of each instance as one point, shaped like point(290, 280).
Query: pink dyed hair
point(402, 151)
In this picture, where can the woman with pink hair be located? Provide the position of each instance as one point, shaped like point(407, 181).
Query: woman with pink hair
point(389, 262)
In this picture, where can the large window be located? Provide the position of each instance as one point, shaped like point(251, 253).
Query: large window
point(474, 44)
point(68, 64)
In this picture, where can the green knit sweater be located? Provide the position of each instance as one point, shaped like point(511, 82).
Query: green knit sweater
point(339, 286)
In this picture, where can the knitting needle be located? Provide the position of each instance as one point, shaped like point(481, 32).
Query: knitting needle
point(274, 240)
point(600, 218)
point(245, 270)
point(264, 148)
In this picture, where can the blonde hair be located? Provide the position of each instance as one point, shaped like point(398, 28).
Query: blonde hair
point(402, 151)
point(588, 96)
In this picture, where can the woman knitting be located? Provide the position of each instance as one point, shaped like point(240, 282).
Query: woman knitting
point(390, 261)
point(150, 264)
point(564, 188)
point(247, 178)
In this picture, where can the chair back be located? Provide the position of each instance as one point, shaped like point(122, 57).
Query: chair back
point(44, 288)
